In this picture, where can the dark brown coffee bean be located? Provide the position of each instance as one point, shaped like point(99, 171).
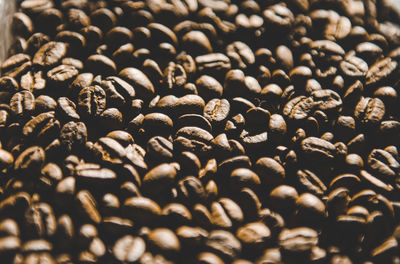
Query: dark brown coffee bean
point(159, 179)
point(240, 54)
point(119, 93)
point(381, 72)
point(50, 54)
point(193, 120)
point(253, 236)
point(369, 111)
point(129, 249)
point(6, 159)
point(383, 164)
point(61, 76)
point(22, 103)
point(9, 245)
point(15, 205)
point(44, 127)
point(298, 240)
point(191, 189)
point(141, 209)
point(298, 108)
point(87, 207)
point(30, 160)
point(91, 101)
point(139, 81)
point(159, 149)
point(67, 109)
point(103, 18)
point(40, 221)
point(100, 64)
point(73, 135)
point(209, 258)
point(16, 65)
point(176, 214)
point(217, 111)
point(353, 67)
point(310, 182)
point(224, 244)
point(208, 87)
point(109, 150)
point(193, 139)
point(318, 149)
point(165, 241)
point(213, 64)
point(327, 100)
point(226, 213)
point(271, 172)
point(242, 177)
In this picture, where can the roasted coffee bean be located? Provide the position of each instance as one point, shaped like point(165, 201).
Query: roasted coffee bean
point(217, 110)
point(91, 101)
point(193, 139)
point(318, 149)
point(16, 65)
point(73, 135)
point(87, 207)
point(139, 81)
point(224, 244)
point(100, 64)
point(40, 221)
point(298, 108)
point(67, 109)
point(141, 209)
point(22, 103)
point(240, 54)
point(61, 76)
point(129, 249)
point(165, 241)
point(380, 72)
point(159, 178)
point(369, 111)
point(298, 240)
point(50, 54)
point(159, 149)
point(30, 160)
point(214, 64)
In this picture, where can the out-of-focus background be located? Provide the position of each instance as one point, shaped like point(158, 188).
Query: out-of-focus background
point(7, 9)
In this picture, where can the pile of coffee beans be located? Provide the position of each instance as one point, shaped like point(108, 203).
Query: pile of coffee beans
point(201, 131)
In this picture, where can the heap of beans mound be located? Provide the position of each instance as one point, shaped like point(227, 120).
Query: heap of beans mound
point(201, 131)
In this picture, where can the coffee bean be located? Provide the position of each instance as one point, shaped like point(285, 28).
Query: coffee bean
point(91, 101)
point(369, 111)
point(159, 178)
point(129, 249)
point(298, 108)
point(16, 65)
point(318, 149)
point(140, 82)
point(50, 54)
point(193, 139)
point(30, 160)
point(61, 76)
point(73, 134)
point(216, 111)
point(141, 209)
point(213, 64)
point(100, 64)
point(67, 109)
point(224, 244)
point(87, 207)
point(22, 103)
point(159, 149)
